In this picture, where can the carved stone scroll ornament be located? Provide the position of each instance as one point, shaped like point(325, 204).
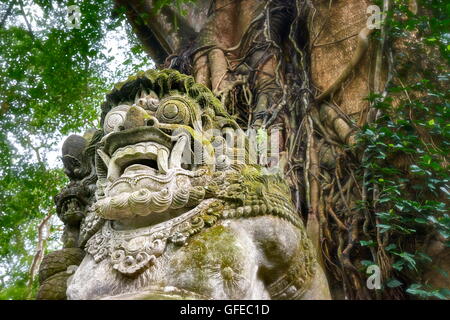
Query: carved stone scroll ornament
point(176, 213)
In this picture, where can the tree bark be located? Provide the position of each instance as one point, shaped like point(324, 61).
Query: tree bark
point(304, 67)
point(40, 248)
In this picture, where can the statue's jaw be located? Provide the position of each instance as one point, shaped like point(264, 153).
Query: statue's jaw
point(149, 147)
point(141, 192)
point(146, 177)
point(72, 211)
point(145, 156)
point(71, 202)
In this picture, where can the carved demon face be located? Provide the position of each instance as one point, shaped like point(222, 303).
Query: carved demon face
point(158, 152)
point(179, 208)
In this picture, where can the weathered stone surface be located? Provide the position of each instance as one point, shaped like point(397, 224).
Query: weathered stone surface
point(54, 288)
point(58, 261)
point(179, 212)
point(55, 269)
point(231, 260)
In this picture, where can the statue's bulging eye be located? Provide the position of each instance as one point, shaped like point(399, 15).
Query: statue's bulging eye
point(170, 110)
point(115, 118)
point(173, 110)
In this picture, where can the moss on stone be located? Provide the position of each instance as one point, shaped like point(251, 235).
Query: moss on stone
point(214, 248)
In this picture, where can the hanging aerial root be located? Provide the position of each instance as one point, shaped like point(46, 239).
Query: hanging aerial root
point(341, 127)
point(201, 69)
point(218, 68)
point(313, 224)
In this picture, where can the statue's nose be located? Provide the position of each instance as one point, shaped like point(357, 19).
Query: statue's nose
point(135, 117)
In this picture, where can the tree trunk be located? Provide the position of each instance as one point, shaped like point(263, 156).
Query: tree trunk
point(39, 255)
point(302, 67)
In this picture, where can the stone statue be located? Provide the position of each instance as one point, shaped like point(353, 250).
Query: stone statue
point(71, 204)
point(177, 211)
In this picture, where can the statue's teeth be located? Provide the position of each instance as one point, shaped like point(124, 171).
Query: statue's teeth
point(106, 159)
point(124, 156)
point(151, 148)
point(139, 149)
point(177, 153)
point(113, 171)
point(142, 148)
point(163, 160)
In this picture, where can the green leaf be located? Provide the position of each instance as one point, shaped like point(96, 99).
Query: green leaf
point(369, 243)
point(391, 247)
point(367, 263)
point(393, 283)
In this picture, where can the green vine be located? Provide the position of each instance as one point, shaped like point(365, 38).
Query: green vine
point(406, 158)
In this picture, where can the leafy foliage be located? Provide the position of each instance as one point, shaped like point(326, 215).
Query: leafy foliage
point(52, 80)
point(407, 148)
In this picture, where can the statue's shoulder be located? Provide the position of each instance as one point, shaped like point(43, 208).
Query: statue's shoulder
point(285, 255)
